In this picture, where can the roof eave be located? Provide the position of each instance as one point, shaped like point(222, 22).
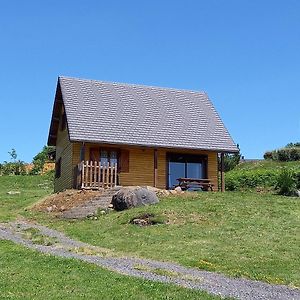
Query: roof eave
point(218, 150)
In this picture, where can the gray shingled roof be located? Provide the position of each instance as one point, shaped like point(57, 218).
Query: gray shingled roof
point(117, 113)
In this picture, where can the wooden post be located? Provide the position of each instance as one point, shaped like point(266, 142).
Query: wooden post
point(82, 152)
point(82, 174)
point(116, 174)
point(155, 167)
point(222, 173)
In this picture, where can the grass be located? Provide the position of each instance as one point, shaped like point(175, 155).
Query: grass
point(31, 188)
point(240, 234)
point(268, 165)
point(261, 174)
point(36, 237)
point(27, 274)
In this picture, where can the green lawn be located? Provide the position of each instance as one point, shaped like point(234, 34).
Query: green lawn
point(27, 274)
point(239, 234)
point(31, 188)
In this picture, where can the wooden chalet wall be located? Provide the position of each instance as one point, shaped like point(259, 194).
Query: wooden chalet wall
point(64, 151)
point(141, 164)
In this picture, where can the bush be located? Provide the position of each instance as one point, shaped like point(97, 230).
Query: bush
point(268, 155)
point(249, 179)
point(14, 167)
point(286, 183)
point(284, 154)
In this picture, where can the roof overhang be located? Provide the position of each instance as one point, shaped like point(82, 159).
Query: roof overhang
point(54, 124)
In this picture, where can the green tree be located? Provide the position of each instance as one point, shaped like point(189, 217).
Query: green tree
point(15, 166)
point(40, 159)
point(232, 160)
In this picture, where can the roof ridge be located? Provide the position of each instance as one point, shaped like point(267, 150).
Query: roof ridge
point(134, 85)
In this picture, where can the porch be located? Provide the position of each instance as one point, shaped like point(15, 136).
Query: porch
point(105, 166)
point(96, 175)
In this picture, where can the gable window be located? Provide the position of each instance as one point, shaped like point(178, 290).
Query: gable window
point(58, 168)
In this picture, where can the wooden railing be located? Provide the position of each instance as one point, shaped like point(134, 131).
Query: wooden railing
point(94, 175)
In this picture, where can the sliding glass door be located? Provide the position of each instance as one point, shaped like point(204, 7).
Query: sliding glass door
point(185, 166)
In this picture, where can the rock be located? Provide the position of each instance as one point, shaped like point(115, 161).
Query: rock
point(13, 193)
point(62, 208)
point(49, 208)
point(110, 206)
point(173, 192)
point(178, 189)
point(298, 193)
point(129, 197)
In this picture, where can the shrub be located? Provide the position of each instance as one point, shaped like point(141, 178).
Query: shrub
point(286, 183)
point(268, 155)
point(284, 154)
point(249, 179)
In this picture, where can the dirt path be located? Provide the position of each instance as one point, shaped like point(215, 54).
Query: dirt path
point(50, 241)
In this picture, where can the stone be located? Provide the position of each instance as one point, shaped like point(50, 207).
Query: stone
point(110, 206)
point(49, 208)
point(129, 197)
point(13, 193)
point(62, 208)
point(173, 192)
point(178, 189)
point(298, 193)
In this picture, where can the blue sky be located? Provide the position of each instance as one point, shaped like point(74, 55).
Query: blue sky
point(244, 54)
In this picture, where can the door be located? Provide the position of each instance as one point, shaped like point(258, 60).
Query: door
point(185, 166)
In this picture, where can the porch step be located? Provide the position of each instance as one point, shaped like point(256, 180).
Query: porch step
point(91, 207)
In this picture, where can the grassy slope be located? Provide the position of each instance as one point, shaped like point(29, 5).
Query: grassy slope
point(250, 175)
point(240, 234)
point(268, 165)
point(31, 189)
point(26, 274)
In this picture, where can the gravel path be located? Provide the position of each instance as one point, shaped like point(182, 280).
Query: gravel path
point(214, 283)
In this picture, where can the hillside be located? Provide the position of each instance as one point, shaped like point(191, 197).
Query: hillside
point(258, 174)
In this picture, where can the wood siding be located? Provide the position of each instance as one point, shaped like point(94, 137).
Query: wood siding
point(141, 164)
point(64, 151)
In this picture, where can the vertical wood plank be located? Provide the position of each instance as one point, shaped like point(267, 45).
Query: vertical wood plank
point(107, 175)
point(99, 174)
point(155, 167)
point(82, 175)
point(95, 174)
point(115, 179)
point(111, 175)
point(222, 173)
point(102, 174)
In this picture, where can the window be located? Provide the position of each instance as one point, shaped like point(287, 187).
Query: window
point(108, 156)
point(58, 168)
point(104, 155)
point(186, 166)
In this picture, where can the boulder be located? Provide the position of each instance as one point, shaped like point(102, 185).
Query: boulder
point(129, 197)
point(178, 189)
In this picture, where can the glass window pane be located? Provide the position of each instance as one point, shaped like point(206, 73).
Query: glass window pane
point(194, 170)
point(103, 157)
point(113, 157)
point(176, 170)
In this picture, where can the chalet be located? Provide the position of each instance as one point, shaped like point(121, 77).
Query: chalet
point(110, 134)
